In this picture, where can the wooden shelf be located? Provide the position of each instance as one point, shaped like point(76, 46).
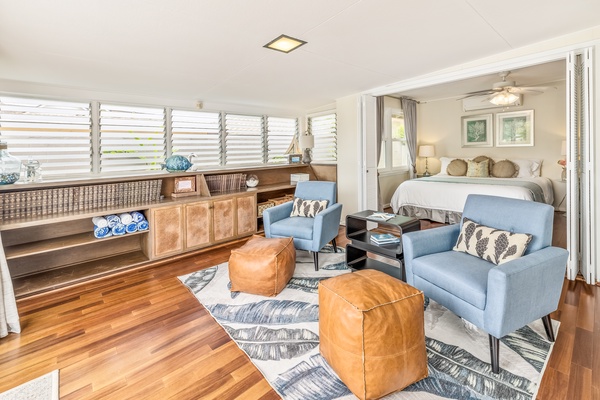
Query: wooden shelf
point(57, 244)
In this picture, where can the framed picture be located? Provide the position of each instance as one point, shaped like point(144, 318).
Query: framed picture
point(295, 158)
point(185, 184)
point(477, 131)
point(514, 129)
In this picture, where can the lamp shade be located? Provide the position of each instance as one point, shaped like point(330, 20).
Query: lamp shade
point(563, 148)
point(427, 150)
point(307, 141)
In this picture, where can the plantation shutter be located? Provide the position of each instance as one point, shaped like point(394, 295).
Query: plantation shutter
point(56, 133)
point(131, 138)
point(280, 133)
point(324, 129)
point(243, 139)
point(197, 132)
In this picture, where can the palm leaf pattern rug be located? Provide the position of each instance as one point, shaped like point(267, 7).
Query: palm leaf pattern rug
point(281, 336)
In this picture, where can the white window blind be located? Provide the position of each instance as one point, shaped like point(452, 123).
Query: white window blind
point(131, 138)
point(324, 129)
point(197, 132)
point(280, 133)
point(56, 133)
point(243, 139)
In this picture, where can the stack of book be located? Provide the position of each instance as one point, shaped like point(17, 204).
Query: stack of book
point(384, 238)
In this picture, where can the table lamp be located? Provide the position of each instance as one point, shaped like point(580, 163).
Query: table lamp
point(307, 142)
point(426, 151)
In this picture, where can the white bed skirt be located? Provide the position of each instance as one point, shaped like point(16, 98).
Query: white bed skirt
point(442, 216)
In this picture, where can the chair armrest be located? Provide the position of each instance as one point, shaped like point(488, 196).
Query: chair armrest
point(327, 225)
point(523, 290)
point(274, 214)
point(428, 241)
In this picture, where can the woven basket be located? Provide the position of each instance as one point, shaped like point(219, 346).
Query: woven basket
point(263, 206)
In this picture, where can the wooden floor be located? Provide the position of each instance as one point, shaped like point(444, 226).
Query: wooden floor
point(143, 335)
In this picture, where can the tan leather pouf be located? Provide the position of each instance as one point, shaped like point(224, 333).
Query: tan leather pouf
point(372, 332)
point(262, 266)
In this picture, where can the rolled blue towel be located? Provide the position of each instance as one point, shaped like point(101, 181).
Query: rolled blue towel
point(102, 232)
point(131, 227)
point(112, 220)
point(118, 229)
point(137, 216)
point(100, 222)
point(142, 225)
point(126, 218)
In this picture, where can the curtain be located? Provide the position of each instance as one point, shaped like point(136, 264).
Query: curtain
point(9, 316)
point(380, 126)
point(409, 109)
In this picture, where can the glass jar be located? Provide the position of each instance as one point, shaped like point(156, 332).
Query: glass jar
point(10, 167)
point(33, 171)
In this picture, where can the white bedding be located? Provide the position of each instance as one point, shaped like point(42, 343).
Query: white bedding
point(452, 196)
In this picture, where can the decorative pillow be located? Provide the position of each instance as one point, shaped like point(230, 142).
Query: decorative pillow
point(444, 161)
point(457, 167)
point(505, 169)
point(528, 168)
point(307, 208)
point(478, 169)
point(483, 158)
point(493, 245)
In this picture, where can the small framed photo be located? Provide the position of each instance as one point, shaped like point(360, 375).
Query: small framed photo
point(514, 129)
point(185, 184)
point(477, 131)
point(295, 158)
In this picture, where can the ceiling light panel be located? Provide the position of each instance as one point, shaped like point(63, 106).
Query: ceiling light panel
point(284, 44)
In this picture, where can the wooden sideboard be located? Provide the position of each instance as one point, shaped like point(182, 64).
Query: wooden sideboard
point(54, 249)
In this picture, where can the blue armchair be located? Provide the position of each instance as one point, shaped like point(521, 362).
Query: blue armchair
point(496, 298)
point(309, 233)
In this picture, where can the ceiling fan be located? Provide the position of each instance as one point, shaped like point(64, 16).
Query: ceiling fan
point(505, 93)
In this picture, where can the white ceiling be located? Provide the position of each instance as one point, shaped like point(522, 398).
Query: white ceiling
point(212, 50)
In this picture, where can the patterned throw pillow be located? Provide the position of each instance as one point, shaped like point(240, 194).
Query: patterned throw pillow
point(307, 208)
point(493, 245)
point(478, 169)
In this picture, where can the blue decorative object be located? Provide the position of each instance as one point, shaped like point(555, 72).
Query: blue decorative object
point(131, 227)
point(119, 229)
point(102, 232)
point(177, 164)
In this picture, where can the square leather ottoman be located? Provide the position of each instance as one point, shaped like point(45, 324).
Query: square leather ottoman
point(262, 266)
point(372, 332)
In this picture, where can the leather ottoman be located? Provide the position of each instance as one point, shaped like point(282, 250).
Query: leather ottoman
point(372, 332)
point(262, 266)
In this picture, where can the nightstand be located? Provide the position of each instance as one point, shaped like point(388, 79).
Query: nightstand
point(560, 194)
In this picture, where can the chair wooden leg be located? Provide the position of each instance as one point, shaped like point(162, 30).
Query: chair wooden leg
point(316, 258)
point(495, 353)
point(548, 327)
point(334, 245)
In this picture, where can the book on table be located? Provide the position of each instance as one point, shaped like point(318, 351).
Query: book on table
point(381, 216)
point(384, 238)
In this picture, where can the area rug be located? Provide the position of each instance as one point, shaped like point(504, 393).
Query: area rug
point(280, 335)
point(44, 387)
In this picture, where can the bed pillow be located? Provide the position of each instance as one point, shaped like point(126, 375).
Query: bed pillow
point(483, 158)
point(494, 245)
point(307, 208)
point(505, 169)
point(457, 167)
point(478, 169)
point(444, 161)
point(528, 168)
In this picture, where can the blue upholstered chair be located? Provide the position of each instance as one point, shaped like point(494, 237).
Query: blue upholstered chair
point(309, 233)
point(498, 299)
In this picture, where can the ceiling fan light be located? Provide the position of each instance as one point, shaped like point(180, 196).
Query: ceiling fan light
point(504, 99)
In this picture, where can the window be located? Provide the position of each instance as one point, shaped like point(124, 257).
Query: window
point(56, 133)
point(280, 133)
point(243, 139)
point(394, 152)
point(131, 138)
point(324, 129)
point(198, 133)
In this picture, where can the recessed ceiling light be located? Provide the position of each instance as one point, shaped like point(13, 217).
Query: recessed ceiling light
point(284, 44)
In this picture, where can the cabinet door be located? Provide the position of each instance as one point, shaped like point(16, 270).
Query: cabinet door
point(246, 215)
point(167, 231)
point(198, 224)
point(224, 220)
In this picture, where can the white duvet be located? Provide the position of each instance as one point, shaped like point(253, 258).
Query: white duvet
point(452, 196)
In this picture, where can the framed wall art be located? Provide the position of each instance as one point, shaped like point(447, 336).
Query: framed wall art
point(477, 131)
point(514, 129)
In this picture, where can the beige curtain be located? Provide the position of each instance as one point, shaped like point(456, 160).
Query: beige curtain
point(9, 315)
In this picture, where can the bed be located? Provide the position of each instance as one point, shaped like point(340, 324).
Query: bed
point(441, 197)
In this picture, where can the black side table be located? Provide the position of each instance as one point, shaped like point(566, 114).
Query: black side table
point(360, 245)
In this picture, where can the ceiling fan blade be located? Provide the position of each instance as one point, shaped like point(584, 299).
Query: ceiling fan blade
point(528, 89)
point(479, 93)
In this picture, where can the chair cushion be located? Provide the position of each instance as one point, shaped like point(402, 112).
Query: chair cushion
point(307, 208)
point(298, 227)
point(494, 245)
point(461, 274)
